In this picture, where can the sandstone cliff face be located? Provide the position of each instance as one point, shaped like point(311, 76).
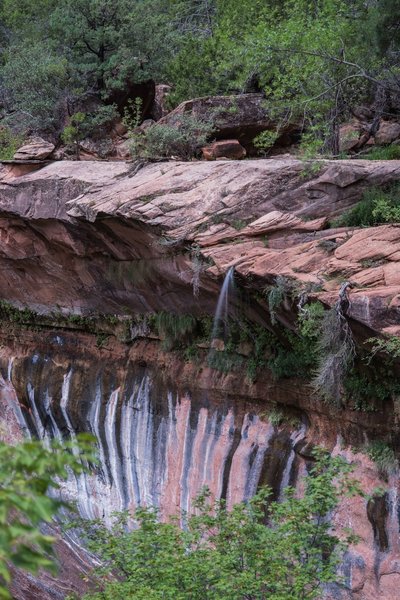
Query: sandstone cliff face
point(89, 231)
point(82, 241)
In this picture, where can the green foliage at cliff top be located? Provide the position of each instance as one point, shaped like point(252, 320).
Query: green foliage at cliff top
point(378, 205)
point(314, 61)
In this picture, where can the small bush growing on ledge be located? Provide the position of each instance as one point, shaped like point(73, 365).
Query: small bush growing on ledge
point(277, 294)
point(383, 456)
point(300, 357)
point(164, 141)
point(378, 205)
point(391, 152)
point(9, 143)
point(368, 387)
point(11, 313)
point(390, 346)
point(265, 140)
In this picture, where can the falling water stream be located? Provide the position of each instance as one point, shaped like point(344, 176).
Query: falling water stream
point(221, 316)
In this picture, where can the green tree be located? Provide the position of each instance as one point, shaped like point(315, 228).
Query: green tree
point(112, 43)
point(75, 131)
point(229, 554)
point(28, 471)
point(93, 29)
point(385, 18)
point(303, 54)
point(315, 61)
point(60, 53)
point(36, 84)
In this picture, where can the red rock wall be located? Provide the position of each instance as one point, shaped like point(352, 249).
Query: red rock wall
point(161, 439)
point(124, 239)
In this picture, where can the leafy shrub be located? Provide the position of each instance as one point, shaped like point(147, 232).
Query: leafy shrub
point(265, 140)
point(292, 361)
point(378, 205)
point(300, 357)
point(133, 114)
point(367, 386)
point(11, 313)
point(311, 168)
point(391, 152)
point(74, 132)
point(102, 117)
point(275, 417)
point(277, 294)
point(82, 125)
point(310, 320)
point(385, 211)
point(9, 143)
point(238, 224)
point(262, 341)
point(390, 346)
point(312, 142)
point(229, 554)
point(164, 141)
point(297, 360)
point(383, 456)
point(28, 471)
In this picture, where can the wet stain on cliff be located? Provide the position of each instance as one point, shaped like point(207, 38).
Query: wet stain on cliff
point(156, 446)
point(377, 511)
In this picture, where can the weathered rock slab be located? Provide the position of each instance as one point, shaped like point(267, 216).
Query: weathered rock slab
point(265, 217)
point(35, 149)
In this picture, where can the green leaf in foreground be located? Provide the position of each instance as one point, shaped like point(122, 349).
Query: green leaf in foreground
point(28, 471)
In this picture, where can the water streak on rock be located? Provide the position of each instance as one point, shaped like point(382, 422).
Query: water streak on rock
point(155, 446)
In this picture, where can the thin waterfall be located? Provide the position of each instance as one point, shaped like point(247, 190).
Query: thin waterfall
point(40, 428)
point(222, 311)
point(47, 403)
point(94, 424)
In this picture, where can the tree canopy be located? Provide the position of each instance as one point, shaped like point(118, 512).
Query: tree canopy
point(222, 553)
point(314, 61)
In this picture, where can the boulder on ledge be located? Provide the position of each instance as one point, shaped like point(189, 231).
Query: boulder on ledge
point(224, 149)
point(35, 149)
point(240, 117)
point(388, 132)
